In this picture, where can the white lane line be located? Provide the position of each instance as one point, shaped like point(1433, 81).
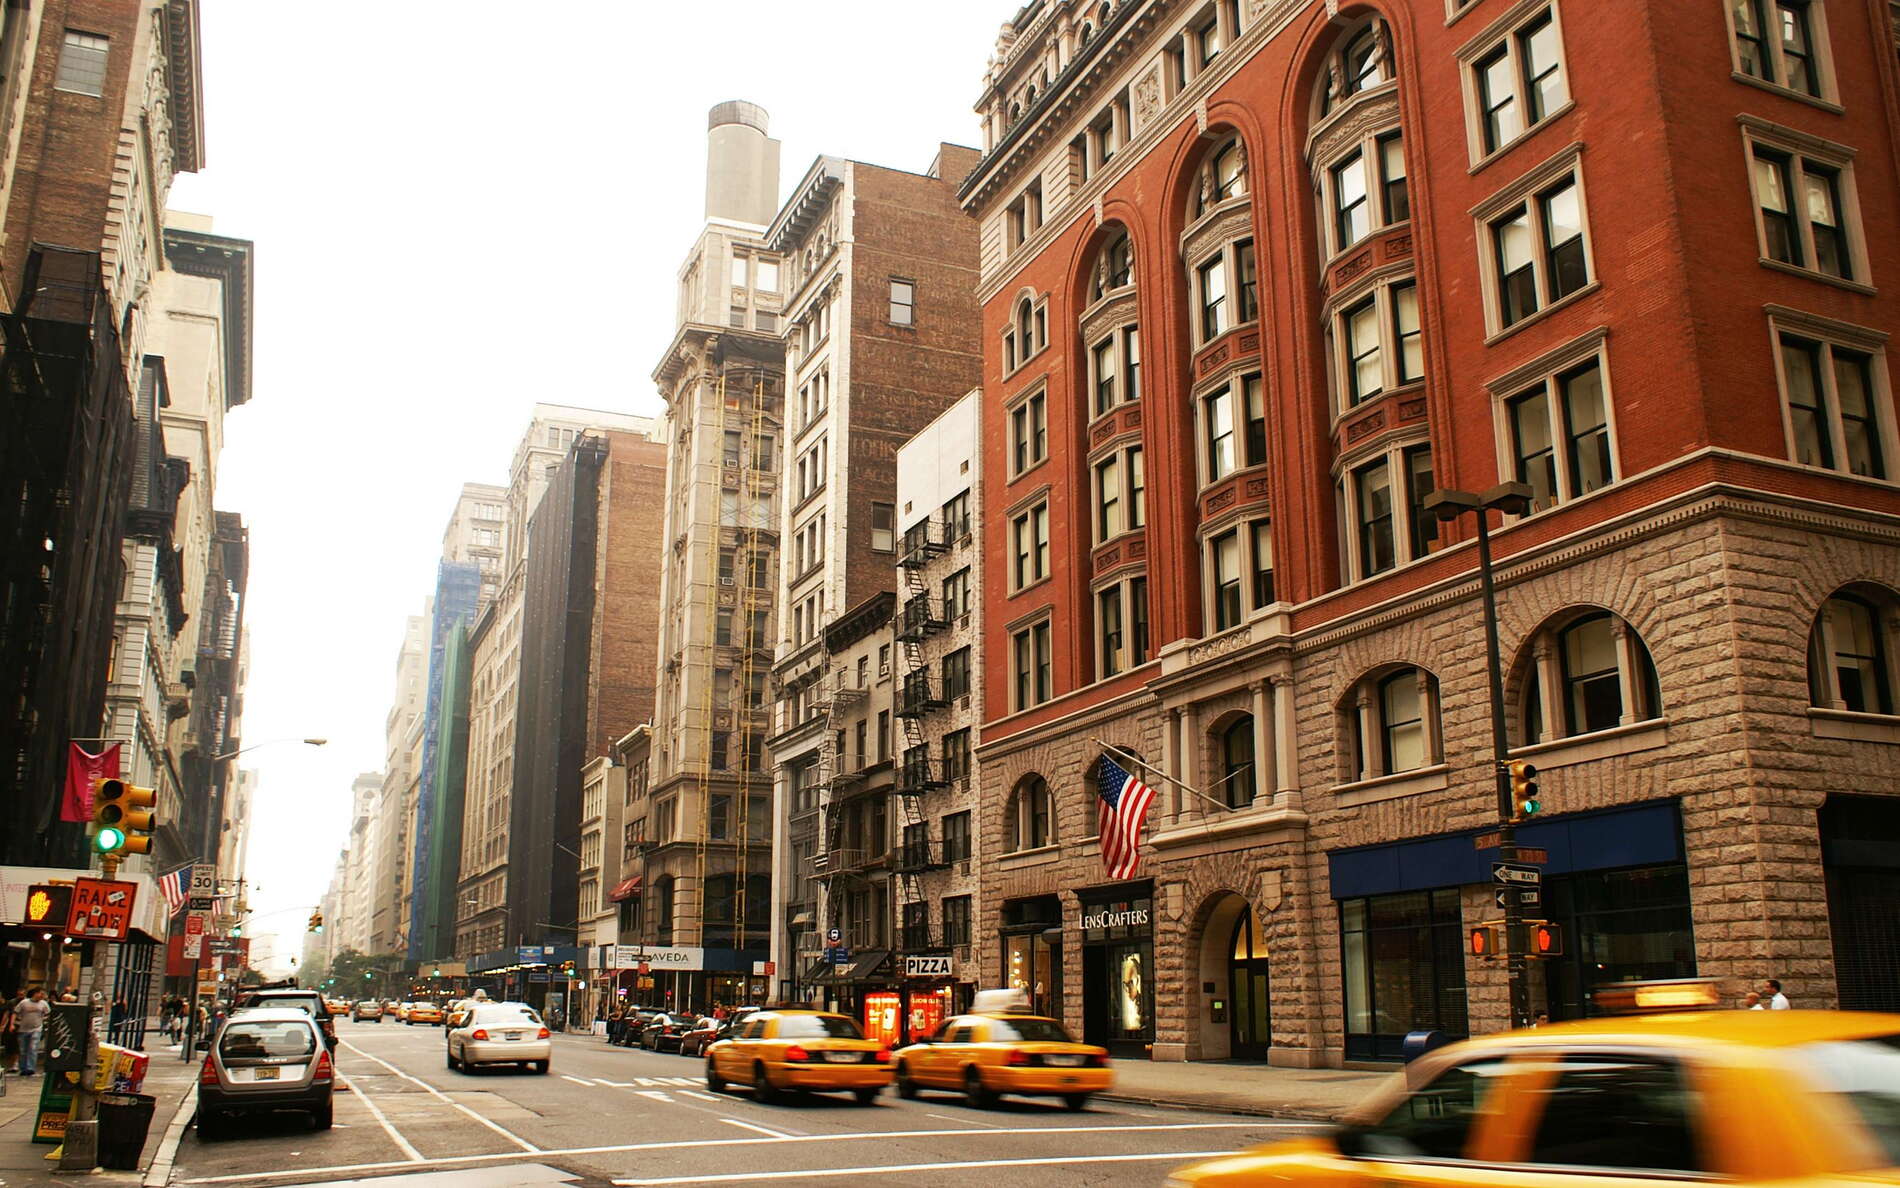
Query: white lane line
point(440, 1096)
point(688, 1144)
point(655, 1094)
point(760, 1129)
point(614, 1084)
point(577, 1080)
point(965, 1121)
point(402, 1144)
point(681, 1080)
point(900, 1169)
point(699, 1095)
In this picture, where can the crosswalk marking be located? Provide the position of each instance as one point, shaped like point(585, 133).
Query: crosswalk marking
point(655, 1094)
point(699, 1095)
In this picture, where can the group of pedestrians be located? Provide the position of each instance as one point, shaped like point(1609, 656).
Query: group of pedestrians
point(22, 1022)
point(1768, 998)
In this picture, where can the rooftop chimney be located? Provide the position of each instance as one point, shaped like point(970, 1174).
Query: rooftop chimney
point(741, 165)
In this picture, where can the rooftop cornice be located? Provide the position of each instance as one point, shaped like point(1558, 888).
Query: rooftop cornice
point(186, 75)
point(807, 202)
point(230, 262)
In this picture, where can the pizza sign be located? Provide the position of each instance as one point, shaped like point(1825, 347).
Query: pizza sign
point(102, 910)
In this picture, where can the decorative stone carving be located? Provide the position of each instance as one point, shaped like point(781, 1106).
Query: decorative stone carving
point(1211, 360)
point(1147, 98)
point(1108, 559)
point(1258, 487)
point(1221, 500)
point(1398, 246)
point(1365, 426)
point(1412, 410)
point(1352, 268)
point(1220, 645)
point(1250, 342)
point(1375, 111)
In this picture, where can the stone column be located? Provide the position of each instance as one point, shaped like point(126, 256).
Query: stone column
point(1428, 718)
point(1171, 763)
point(1263, 749)
point(1626, 670)
point(1370, 763)
point(1286, 752)
point(1190, 767)
point(1550, 694)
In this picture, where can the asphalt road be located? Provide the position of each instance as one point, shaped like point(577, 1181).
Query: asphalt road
point(617, 1116)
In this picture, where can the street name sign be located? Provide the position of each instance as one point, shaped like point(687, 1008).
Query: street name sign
point(1511, 872)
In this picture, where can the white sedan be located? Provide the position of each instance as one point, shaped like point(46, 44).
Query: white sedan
point(501, 1033)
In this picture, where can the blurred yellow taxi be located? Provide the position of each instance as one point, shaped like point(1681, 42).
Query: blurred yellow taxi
point(985, 1056)
point(1796, 1098)
point(797, 1049)
point(423, 1012)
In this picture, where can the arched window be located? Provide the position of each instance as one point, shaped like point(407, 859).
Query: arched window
point(1223, 175)
point(1029, 822)
point(1114, 266)
point(1391, 718)
point(1362, 62)
point(1851, 653)
point(1587, 673)
point(1237, 762)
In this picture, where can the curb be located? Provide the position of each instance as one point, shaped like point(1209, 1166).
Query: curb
point(160, 1172)
point(1288, 1113)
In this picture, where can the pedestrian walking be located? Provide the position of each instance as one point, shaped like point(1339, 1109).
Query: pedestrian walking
point(1772, 995)
point(29, 1017)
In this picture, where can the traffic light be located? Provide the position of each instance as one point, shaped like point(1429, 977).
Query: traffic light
point(1487, 942)
point(1547, 939)
point(122, 816)
point(316, 922)
point(1524, 802)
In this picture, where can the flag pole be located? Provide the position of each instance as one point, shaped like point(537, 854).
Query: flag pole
point(1121, 755)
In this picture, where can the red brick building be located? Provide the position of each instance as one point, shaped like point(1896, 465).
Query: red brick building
point(1258, 276)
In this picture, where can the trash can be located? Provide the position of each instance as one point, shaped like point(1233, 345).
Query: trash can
point(124, 1121)
point(1417, 1043)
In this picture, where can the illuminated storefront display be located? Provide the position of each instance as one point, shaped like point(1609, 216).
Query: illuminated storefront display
point(1118, 970)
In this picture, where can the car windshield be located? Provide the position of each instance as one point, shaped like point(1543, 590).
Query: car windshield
point(1035, 1031)
point(817, 1027)
point(308, 1004)
point(258, 1041)
point(1866, 1072)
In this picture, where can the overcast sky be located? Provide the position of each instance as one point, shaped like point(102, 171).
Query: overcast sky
point(462, 207)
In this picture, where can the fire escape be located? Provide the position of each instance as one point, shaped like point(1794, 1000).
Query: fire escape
point(919, 698)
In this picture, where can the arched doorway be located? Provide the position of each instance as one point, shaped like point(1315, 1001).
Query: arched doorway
point(1247, 983)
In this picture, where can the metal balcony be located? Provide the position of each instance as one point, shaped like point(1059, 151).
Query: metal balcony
point(916, 776)
point(917, 857)
point(918, 696)
point(921, 617)
point(924, 540)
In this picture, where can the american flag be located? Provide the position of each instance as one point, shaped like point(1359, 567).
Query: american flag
point(173, 888)
point(1125, 802)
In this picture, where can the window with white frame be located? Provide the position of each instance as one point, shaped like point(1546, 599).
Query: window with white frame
point(1110, 632)
point(1514, 79)
point(1238, 562)
point(1535, 243)
point(1120, 494)
point(1028, 433)
point(1806, 210)
point(903, 303)
point(1027, 333)
point(956, 594)
point(1029, 545)
point(1031, 660)
point(1029, 816)
point(1833, 387)
point(1558, 432)
point(1382, 517)
point(1233, 428)
point(1217, 425)
point(1023, 217)
point(1225, 583)
point(1389, 722)
point(1114, 266)
point(1851, 651)
point(1584, 672)
point(1782, 43)
point(1377, 342)
point(1366, 188)
point(1223, 175)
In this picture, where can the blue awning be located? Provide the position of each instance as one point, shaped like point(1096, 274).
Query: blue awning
point(1641, 835)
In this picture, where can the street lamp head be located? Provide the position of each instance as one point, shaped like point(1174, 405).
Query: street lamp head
point(315, 742)
point(1448, 504)
point(1513, 499)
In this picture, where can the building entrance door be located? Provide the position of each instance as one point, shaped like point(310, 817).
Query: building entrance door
point(1248, 990)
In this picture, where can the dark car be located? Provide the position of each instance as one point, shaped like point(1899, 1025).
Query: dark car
point(662, 1032)
point(264, 1060)
point(704, 1032)
point(308, 1001)
point(633, 1023)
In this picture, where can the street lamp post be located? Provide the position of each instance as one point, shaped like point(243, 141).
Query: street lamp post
point(1508, 499)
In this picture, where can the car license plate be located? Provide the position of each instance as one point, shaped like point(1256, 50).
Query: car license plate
point(511, 1035)
point(1063, 1061)
point(844, 1057)
point(265, 1074)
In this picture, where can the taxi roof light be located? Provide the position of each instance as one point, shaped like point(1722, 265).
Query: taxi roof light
point(1672, 994)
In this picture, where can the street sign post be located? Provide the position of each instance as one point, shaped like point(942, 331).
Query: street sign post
point(1530, 897)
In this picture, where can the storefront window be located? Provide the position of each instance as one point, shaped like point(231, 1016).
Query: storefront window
point(881, 1010)
point(1404, 969)
point(1118, 974)
point(1619, 926)
point(1030, 964)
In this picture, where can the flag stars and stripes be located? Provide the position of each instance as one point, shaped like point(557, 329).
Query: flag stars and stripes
point(1124, 808)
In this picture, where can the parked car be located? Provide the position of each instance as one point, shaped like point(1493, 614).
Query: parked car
point(500, 1033)
point(263, 1060)
point(702, 1033)
point(633, 1023)
point(369, 1009)
point(663, 1031)
point(308, 1001)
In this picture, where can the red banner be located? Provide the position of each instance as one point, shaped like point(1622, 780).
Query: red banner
point(82, 768)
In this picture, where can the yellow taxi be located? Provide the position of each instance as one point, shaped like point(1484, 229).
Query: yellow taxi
point(1794, 1098)
point(799, 1049)
point(423, 1012)
point(987, 1055)
point(393, 1007)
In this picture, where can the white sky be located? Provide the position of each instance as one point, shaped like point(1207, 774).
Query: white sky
point(462, 207)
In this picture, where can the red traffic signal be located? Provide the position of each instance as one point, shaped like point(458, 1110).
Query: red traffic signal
point(1547, 940)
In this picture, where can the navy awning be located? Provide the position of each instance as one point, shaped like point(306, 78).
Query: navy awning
point(1641, 835)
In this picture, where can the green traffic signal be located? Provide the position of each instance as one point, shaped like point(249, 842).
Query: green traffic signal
point(109, 840)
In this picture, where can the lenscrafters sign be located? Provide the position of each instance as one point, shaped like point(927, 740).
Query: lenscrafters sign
point(1106, 918)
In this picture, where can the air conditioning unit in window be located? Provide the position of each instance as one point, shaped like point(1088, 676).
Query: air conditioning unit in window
point(728, 581)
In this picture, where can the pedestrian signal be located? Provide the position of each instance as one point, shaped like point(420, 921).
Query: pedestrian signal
point(1485, 942)
point(1547, 940)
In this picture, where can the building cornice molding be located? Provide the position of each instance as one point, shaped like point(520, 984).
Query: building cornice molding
point(232, 263)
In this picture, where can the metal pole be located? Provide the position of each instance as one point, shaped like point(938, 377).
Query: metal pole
point(1514, 946)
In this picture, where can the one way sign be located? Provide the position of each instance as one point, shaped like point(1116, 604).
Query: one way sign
point(1511, 872)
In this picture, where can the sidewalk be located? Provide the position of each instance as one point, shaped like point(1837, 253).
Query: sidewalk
point(24, 1162)
point(1322, 1094)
